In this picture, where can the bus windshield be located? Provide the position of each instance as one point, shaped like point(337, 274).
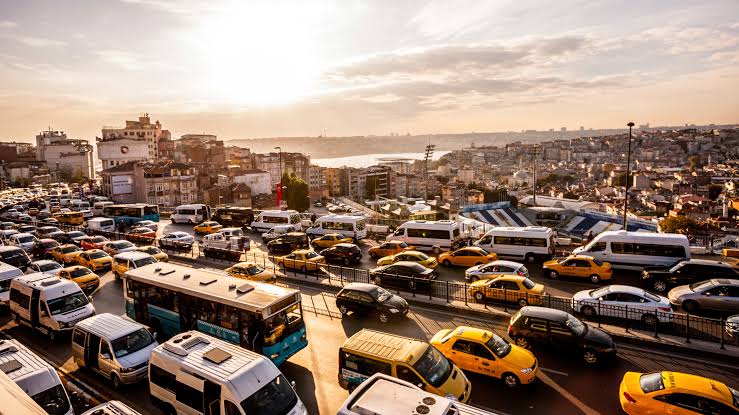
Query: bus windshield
point(53, 400)
point(67, 303)
point(433, 367)
point(280, 324)
point(276, 397)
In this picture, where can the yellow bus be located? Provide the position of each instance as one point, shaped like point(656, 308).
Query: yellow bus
point(70, 218)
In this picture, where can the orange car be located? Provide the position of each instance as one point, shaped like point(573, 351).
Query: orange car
point(389, 248)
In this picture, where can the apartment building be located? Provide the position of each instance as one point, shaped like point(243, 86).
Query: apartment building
point(138, 141)
point(61, 154)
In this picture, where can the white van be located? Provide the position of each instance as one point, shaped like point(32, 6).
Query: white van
point(111, 408)
point(347, 225)
point(79, 205)
point(277, 231)
point(101, 225)
point(7, 273)
point(192, 371)
point(51, 305)
point(385, 395)
point(269, 218)
point(35, 376)
point(635, 250)
point(192, 214)
point(113, 346)
point(98, 207)
point(429, 235)
point(531, 243)
point(15, 400)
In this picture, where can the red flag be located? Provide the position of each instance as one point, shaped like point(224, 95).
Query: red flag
point(279, 194)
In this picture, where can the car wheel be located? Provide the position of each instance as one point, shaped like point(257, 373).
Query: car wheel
point(474, 278)
point(412, 285)
point(384, 318)
point(530, 258)
point(587, 311)
point(523, 302)
point(343, 310)
point(590, 357)
point(347, 262)
point(446, 263)
point(511, 380)
point(522, 342)
point(659, 286)
point(649, 320)
point(594, 278)
point(115, 381)
point(479, 296)
point(376, 281)
point(690, 306)
point(553, 275)
point(373, 255)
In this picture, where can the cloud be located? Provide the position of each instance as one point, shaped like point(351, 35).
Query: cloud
point(38, 42)
point(120, 58)
point(7, 24)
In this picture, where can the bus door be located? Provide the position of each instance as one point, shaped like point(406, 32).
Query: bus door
point(212, 398)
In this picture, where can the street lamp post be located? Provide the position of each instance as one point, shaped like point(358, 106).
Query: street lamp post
point(628, 173)
point(278, 148)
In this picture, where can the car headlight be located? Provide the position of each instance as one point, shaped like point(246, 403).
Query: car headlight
point(394, 310)
point(526, 371)
point(126, 369)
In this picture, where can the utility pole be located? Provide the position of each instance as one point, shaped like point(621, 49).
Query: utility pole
point(628, 174)
point(429, 155)
point(534, 151)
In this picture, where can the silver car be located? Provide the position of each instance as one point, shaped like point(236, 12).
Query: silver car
point(495, 269)
point(717, 294)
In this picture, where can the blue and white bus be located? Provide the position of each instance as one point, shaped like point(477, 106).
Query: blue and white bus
point(130, 214)
point(172, 299)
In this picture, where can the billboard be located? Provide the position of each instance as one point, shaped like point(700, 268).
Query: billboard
point(122, 184)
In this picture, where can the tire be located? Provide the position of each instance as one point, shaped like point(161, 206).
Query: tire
point(510, 380)
point(649, 320)
point(347, 262)
point(530, 258)
point(522, 342)
point(522, 302)
point(446, 263)
point(553, 275)
point(115, 381)
point(474, 278)
point(588, 311)
point(373, 255)
point(595, 278)
point(690, 306)
point(659, 286)
point(436, 251)
point(383, 317)
point(343, 310)
point(590, 357)
point(479, 296)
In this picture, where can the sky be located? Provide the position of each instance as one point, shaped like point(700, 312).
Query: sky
point(244, 69)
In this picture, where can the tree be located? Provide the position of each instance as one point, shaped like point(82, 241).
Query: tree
point(685, 226)
point(295, 192)
point(714, 191)
point(695, 163)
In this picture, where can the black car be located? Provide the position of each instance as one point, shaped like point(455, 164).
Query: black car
point(42, 248)
point(360, 298)
point(660, 279)
point(346, 254)
point(403, 274)
point(73, 237)
point(27, 229)
point(550, 327)
point(287, 243)
point(14, 256)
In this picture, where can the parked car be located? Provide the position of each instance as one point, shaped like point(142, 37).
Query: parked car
point(580, 266)
point(732, 326)
point(389, 248)
point(177, 240)
point(507, 288)
point(42, 248)
point(410, 256)
point(468, 256)
point(155, 252)
point(73, 237)
point(27, 229)
point(45, 266)
point(15, 256)
point(95, 259)
point(6, 234)
point(408, 275)
point(495, 269)
point(87, 280)
point(625, 302)
point(114, 248)
point(25, 241)
point(47, 231)
point(330, 239)
point(94, 242)
point(288, 243)
point(141, 234)
point(303, 259)
point(344, 253)
point(207, 227)
point(147, 224)
point(688, 271)
point(720, 295)
point(251, 271)
point(552, 328)
point(360, 298)
point(66, 254)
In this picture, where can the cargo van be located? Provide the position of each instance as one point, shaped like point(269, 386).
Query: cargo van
point(385, 395)
point(193, 373)
point(113, 346)
point(101, 225)
point(51, 305)
point(35, 376)
point(415, 361)
point(429, 235)
point(7, 273)
point(192, 214)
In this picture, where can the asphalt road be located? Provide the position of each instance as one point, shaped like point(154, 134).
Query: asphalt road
point(564, 385)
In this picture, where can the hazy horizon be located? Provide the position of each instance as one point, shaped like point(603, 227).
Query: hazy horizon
point(357, 68)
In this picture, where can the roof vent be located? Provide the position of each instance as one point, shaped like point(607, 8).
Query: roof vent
point(208, 282)
point(166, 272)
point(216, 355)
point(10, 366)
point(50, 283)
point(244, 288)
point(180, 344)
point(232, 286)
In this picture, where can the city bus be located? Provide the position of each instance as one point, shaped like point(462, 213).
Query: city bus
point(172, 299)
point(130, 214)
point(234, 216)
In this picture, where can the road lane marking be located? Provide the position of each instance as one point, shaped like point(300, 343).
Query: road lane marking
point(556, 372)
point(570, 397)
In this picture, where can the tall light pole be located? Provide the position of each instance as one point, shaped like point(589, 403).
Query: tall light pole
point(428, 156)
point(534, 154)
point(628, 173)
point(278, 148)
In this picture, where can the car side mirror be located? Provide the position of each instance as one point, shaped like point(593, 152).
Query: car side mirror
point(105, 356)
point(707, 294)
point(44, 313)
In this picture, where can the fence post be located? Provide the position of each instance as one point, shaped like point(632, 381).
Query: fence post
point(656, 324)
point(627, 318)
point(413, 285)
point(465, 293)
point(687, 328)
point(505, 299)
point(721, 329)
point(598, 316)
point(447, 292)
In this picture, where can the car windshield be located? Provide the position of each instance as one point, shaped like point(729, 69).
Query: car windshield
point(24, 239)
point(254, 270)
point(422, 256)
point(311, 254)
point(528, 283)
point(600, 292)
point(80, 272)
point(433, 367)
point(651, 382)
point(700, 286)
point(98, 254)
point(50, 266)
point(12, 254)
point(98, 239)
point(132, 342)
point(70, 249)
point(67, 303)
point(380, 294)
point(75, 234)
point(499, 345)
point(577, 326)
point(598, 262)
point(50, 244)
point(651, 296)
point(145, 261)
point(274, 398)
point(123, 245)
point(403, 245)
point(53, 400)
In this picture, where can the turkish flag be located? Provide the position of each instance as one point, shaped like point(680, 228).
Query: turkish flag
point(279, 194)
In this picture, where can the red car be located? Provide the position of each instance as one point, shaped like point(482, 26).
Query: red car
point(141, 234)
point(94, 242)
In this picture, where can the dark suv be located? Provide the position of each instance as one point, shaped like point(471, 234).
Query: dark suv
point(660, 279)
point(15, 256)
point(361, 298)
point(555, 328)
point(346, 254)
point(287, 243)
point(42, 248)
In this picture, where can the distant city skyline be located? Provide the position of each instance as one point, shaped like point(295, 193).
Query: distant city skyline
point(298, 68)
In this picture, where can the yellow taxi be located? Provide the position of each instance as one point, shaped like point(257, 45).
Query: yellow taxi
point(207, 228)
point(155, 252)
point(66, 254)
point(581, 266)
point(330, 239)
point(33, 211)
point(508, 288)
point(251, 271)
point(467, 257)
point(302, 259)
point(55, 208)
point(95, 259)
point(86, 279)
point(412, 256)
point(675, 393)
point(389, 248)
point(484, 352)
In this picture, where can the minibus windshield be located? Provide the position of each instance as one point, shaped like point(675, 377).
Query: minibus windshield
point(144, 261)
point(276, 397)
point(53, 400)
point(67, 303)
point(433, 367)
point(132, 342)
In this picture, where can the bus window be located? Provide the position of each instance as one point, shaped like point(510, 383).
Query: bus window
point(151, 210)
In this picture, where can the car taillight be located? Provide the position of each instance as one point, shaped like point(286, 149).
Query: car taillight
point(520, 273)
point(667, 309)
point(629, 398)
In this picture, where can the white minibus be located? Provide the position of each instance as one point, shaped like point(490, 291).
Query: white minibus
point(385, 395)
point(192, 214)
point(347, 225)
point(269, 218)
point(113, 346)
point(78, 205)
point(531, 243)
point(7, 273)
point(111, 408)
point(429, 235)
point(15, 400)
point(635, 250)
point(49, 304)
point(98, 207)
point(35, 376)
point(101, 225)
point(193, 373)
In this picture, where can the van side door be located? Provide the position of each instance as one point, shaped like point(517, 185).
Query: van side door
point(79, 340)
point(105, 358)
